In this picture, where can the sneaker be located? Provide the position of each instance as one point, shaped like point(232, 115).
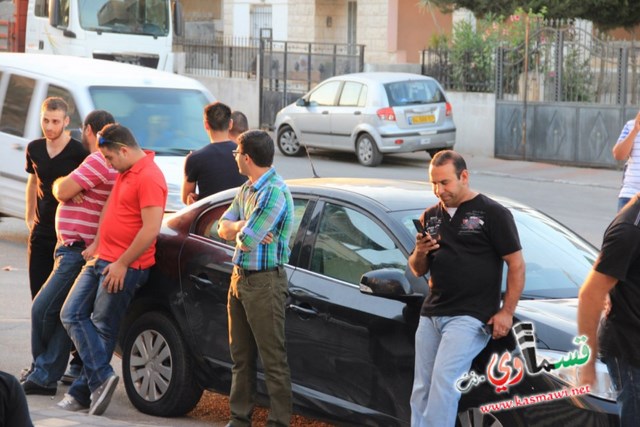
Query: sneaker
point(69, 403)
point(70, 375)
point(30, 387)
point(24, 374)
point(102, 396)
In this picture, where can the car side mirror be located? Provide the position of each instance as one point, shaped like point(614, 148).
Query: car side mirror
point(301, 102)
point(388, 283)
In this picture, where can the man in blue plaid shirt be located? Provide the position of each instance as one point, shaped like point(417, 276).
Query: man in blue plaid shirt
point(260, 221)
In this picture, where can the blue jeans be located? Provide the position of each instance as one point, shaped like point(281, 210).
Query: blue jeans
point(622, 201)
point(50, 343)
point(626, 381)
point(92, 318)
point(445, 348)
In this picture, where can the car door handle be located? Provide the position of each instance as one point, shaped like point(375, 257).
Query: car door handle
point(302, 310)
point(325, 112)
point(357, 113)
point(18, 147)
point(200, 282)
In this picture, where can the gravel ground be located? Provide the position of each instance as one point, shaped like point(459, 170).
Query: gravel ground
point(215, 407)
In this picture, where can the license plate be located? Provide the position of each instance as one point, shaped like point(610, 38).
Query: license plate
point(416, 120)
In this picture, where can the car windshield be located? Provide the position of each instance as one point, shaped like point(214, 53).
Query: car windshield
point(413, 92)
point(557, 260)
point(167, 121)
point(149, 17)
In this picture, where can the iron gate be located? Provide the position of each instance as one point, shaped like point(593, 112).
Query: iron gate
point(564, 97)
point(287, 70)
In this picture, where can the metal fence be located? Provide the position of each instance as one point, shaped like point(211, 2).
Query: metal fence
point(557, 65)
point(220, 56)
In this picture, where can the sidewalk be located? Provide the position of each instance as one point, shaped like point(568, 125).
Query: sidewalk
point(545, 172)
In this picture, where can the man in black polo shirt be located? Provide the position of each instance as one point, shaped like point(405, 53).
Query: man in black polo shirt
point(468, 239)
point(616, 272)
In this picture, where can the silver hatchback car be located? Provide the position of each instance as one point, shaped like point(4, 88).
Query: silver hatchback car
point(371, 114)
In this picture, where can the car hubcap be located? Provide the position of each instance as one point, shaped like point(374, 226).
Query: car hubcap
point(475, 418)
point(365, 151)
point(150, 365)
point(289, 142)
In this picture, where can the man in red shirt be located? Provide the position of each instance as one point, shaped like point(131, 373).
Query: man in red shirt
point(126, 238)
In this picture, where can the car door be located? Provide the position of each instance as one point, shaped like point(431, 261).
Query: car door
point(348, 114)
point(314, 120)
point(206, 267)
point(347, 349)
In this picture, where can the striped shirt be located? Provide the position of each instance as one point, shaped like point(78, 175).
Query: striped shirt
point(631, 175)
point(267, 206)
point(79, 221)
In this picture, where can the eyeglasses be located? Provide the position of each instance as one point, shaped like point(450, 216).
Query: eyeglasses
point(236, 152)
point(102, 141)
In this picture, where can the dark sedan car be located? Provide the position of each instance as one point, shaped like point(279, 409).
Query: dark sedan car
point(352, 313)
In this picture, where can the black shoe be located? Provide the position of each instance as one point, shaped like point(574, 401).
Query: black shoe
point(71, 374)
point(30, 387)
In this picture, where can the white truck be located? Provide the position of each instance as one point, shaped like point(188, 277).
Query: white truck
point(138, 32)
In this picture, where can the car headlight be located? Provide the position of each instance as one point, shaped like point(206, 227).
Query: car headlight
point(603, 387)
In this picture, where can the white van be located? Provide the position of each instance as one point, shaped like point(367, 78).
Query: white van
point(163, 110)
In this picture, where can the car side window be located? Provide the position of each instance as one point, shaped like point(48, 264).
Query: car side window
point(75, 122)
point(16, 105)
point(208, 224)
point(349, 244)
point(350, 95)
point(325, 95)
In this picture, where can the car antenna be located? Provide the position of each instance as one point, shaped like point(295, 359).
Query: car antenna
point(315, 175)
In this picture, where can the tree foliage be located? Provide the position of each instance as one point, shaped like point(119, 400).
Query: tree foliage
point(605, 14)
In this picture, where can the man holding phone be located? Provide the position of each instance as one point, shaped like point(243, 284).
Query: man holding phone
point(463, 242)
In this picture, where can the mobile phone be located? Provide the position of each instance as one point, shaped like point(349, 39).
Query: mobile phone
point(488, 329)
point(419, 227)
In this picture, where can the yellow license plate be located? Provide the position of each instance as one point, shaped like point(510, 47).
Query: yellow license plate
point(416, 120)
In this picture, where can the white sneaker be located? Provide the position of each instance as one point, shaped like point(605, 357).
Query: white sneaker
point(69, 403)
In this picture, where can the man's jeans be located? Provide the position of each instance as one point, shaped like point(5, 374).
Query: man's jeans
point(256, 327)
point(626, 380)
point(50, 343)
point(92, 318)
point(445, 348)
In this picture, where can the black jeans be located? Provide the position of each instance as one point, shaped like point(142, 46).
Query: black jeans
point(40, 250)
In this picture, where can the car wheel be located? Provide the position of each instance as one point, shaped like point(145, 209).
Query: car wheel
point(475, 418)
point(288, 142)
point(157, 367)
point(367, 151)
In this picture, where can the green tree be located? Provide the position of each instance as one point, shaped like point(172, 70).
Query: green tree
point(605, 14)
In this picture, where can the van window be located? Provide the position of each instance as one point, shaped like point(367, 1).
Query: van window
point(165, 120)
point(42, 8)
point(75, 121)
point(16, 105)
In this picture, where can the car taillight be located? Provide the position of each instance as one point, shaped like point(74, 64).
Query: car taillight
point(447, 109)
point(386, 114)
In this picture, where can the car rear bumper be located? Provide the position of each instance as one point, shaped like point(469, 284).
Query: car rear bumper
point(407, 142)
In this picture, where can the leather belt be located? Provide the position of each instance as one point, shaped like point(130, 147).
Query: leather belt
point(247, 273)
point(76, 244)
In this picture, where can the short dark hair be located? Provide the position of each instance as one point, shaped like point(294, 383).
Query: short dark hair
point(240, 123)
point(443, 157)
point(55, 103)
point(98, 119)
point(114, 134)
point(258, 145)
point(218, 116)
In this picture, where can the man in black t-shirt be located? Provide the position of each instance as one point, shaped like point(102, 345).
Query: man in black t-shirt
point(616, 272)
point(468, 238)
point(48, 158)
point(212, 168)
